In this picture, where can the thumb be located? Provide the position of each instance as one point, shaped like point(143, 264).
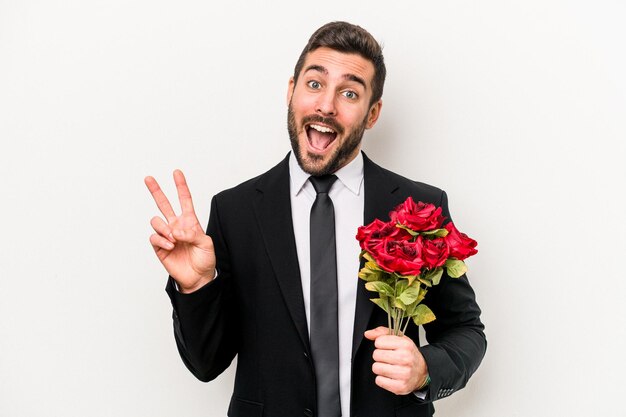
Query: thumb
point(376, 333)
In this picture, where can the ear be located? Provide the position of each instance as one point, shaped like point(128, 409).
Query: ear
point(373, 114)
point(290, 88)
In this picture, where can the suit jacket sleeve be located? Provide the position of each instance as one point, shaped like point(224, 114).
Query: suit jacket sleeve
point(205, 321)
point(456, 339)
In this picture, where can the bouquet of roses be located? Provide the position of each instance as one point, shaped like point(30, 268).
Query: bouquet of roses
point(406, 256)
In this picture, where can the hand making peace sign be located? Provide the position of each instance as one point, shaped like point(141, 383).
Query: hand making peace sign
point(180, 243)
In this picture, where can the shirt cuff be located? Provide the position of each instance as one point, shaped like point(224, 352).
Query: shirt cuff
point(421, 394)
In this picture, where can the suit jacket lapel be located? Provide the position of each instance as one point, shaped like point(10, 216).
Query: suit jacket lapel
point(273, 212)
point(381, 197)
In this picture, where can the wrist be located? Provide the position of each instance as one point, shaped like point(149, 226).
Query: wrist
point(424, 383)
point(199, 284)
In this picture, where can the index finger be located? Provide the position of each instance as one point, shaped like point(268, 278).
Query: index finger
point(184, 195)
point(159, 198)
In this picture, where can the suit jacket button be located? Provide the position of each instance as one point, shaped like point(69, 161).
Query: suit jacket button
point(307, 411)
point(306, 355)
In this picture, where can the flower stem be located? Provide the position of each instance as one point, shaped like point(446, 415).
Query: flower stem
point(408, 319)
point(395, 294)
point(399, 322)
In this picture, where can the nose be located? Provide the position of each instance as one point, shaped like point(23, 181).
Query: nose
point(326, 104)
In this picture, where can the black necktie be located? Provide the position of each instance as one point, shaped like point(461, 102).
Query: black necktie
point(324, 332)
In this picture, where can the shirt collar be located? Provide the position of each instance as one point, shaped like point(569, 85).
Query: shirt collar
point(351, 175)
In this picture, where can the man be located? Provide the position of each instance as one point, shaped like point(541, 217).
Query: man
point(249, 286)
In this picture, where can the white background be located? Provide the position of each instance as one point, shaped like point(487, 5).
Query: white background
point(516, 108)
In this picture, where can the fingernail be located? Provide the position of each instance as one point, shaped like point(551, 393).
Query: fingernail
point(171, 236)
point(169, 245)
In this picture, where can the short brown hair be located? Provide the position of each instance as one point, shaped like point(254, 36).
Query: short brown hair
point(348, 38)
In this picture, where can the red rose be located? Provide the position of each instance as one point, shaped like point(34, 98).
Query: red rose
point(461, 246)
point(399, 256)
point(377, 230)
point(434, 251)
point(418, 216)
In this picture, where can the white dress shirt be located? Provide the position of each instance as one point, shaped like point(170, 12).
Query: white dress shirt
point(348, 200)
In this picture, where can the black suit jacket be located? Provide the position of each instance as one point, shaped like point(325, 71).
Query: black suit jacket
point(255, 308)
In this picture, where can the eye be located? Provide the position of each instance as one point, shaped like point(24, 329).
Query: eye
point(314, 84)
point(350, 95)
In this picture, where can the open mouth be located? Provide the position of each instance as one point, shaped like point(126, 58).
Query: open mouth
point(320, 137)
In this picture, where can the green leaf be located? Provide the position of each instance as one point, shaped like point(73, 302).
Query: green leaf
point(408, 229)
point(423, 292)
point(416, 283)
point(369, 274)
point(373, 266)
point(382, 303)
point(380, 287)
point(410, 309)
point(397, 302)
point(409, 295)
point(426, 282)
point(434, 275)
point(422, 315)
point(411, 279)
point(435, 233)
point(365, 255)
point(455, 268)
point(401, 285)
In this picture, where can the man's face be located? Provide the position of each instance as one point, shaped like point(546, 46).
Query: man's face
point(329, 109)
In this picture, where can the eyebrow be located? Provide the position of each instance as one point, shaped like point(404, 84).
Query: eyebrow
point(350, 77)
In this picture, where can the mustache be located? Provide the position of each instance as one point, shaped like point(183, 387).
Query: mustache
point(315, 118)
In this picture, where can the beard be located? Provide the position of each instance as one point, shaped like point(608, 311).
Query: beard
point(313, 164)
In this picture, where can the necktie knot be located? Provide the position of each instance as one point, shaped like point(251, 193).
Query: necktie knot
point(322, 183)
